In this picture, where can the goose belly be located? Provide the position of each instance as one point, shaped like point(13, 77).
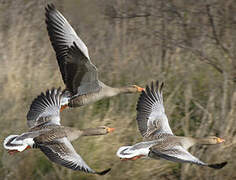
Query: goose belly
point(86, 99)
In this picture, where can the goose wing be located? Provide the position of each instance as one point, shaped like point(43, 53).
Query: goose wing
point(45, 109)
point(61, 151)
point(82, 75)
point(78, 72)
point(151, 115)
point(179, 154)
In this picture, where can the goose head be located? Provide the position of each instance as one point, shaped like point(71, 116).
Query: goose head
point(105, 129)
point(212, 140)
point(132, 89)
point(101, 130)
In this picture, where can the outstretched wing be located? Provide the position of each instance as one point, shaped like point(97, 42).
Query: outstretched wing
point(82, 75)
point(45, 108)
point(78, 73)
point(179, 154)
point(61, 151)
point(176, 153)
point(151, 115)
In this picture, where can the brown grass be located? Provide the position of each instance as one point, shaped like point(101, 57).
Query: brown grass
point(199, 100)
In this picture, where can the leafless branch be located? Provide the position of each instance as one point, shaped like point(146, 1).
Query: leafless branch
point(213, 27)
point(194, 51)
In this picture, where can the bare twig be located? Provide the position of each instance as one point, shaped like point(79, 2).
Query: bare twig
point(213, 27)
point(194, 51)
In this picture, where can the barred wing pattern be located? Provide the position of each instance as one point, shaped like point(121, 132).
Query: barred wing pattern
point(181, 155)
point(83, 76)
point(151, 115)
point(78, 72)
point(62, 152)
point(45, 108)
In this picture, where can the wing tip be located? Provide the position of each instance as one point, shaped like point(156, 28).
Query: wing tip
point(49, 10)
point(51, 96)
point(218, 166)
point(103, 172)
point(159, 86)
point(150, 91)
point(50, 7)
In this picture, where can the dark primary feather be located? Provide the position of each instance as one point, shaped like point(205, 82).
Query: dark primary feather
point(56, 33)
point(78, 73)
point(45, 108)
point(177, 153)
point(61, 34)
point(217, 166)
point(143, 111)
point(103, 172)
point(62, 152)
point(84, 77)
point(150, 111)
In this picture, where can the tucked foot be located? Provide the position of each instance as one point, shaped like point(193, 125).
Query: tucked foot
point(28, 147)
point(63, 107)
point(12, 152)
point(133, 158)
point(136, 157)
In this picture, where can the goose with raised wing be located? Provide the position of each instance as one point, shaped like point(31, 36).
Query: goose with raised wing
point(159, 140)
point(78, 72)
point(47, 134)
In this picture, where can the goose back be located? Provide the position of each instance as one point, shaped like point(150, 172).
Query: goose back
point(105, 91)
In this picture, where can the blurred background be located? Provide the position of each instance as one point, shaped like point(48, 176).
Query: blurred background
point(188, 44)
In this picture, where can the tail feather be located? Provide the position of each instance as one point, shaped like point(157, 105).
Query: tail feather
point(10, 144)
point(123, 152)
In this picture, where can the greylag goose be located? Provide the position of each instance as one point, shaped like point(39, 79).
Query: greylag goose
point(47, 134)
point(78, 72)
point(159, 140)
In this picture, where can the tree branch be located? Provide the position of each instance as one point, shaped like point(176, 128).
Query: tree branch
point(211, 20)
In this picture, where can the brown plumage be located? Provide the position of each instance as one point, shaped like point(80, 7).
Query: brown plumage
point(159, 140)
point(47, 134)
point(78, 72)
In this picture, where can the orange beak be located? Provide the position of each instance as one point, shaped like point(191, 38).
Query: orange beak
point(109, 130)
point(139, 89)
point(220, 140)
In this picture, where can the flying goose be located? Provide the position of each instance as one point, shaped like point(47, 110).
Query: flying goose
point(78, 72)
point(159, 140)
point(47, 134)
